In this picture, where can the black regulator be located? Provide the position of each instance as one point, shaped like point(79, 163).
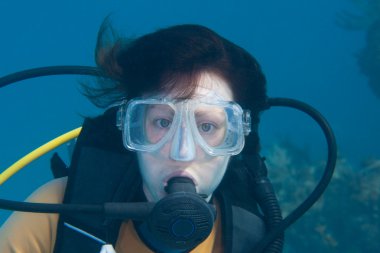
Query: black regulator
point(183, 219)
point(180, 221)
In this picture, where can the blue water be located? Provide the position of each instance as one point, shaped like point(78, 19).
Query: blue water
point(304, 54)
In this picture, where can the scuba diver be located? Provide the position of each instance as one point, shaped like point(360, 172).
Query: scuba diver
point(179, 137)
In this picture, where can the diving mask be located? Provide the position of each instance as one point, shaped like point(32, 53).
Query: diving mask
point(218, 127)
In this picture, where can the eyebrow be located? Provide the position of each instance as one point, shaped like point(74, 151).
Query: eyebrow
point(207, 112)
point(157, 108)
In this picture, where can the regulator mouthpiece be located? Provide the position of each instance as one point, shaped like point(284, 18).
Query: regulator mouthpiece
point(181, 220)
point(180, 184)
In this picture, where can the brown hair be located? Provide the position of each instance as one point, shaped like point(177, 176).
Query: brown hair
point(171, 60)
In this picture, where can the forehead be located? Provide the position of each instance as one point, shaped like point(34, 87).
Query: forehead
point(209, 85)
point(213, 86)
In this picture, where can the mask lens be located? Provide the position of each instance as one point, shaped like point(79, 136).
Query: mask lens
point(147, 124)
point(211, 122)
point(158, 121)
point(218, 127)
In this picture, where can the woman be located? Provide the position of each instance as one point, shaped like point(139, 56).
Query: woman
point(184, 100)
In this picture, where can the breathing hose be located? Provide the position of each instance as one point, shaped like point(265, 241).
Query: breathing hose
point(277, 226)
point(272, 241)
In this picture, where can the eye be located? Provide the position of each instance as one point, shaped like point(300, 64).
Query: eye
point(206, 127)
point(163, 123)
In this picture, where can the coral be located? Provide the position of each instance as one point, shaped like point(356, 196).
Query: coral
point(367, 12)
point(368, 20)
point(345, 219)
point(369, 57)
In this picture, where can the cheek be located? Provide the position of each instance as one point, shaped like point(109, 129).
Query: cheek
point(220, 168)
point(146, 163)
point(149, 169)
point(212, 174)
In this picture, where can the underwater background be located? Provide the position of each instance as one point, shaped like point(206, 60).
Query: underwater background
point(325, 53)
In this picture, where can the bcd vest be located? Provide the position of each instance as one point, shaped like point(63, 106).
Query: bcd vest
point(102, 170)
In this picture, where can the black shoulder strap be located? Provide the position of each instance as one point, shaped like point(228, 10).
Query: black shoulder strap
point(241, 229)
point(102, 170)
point(58, 166)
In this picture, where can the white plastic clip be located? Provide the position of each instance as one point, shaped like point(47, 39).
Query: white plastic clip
point(107, 248)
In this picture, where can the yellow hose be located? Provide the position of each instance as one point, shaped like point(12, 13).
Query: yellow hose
point(21, 163)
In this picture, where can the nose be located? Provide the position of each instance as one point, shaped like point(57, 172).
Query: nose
point(183, 147)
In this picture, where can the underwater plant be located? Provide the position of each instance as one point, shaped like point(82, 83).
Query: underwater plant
point(369, 57)
point(367, 12)
point(345, 219)
point(368, 20)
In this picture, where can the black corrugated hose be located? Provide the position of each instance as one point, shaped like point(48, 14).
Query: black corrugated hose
point(266, 198)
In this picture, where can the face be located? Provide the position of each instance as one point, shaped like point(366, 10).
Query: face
point(181, 156)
